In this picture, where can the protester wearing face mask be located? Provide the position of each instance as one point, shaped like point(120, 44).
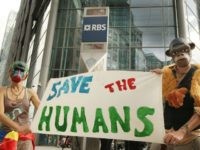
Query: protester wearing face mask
point(15, 100)
point(181, 94)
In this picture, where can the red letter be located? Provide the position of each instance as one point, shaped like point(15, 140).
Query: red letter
point(109, 86)
point(131, 84)
point(121, 86)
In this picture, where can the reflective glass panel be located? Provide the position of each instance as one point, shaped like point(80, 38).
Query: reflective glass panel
point(145, 3)
point(155, 36)
point(159, 16)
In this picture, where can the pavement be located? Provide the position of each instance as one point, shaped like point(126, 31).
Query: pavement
point(50, 148)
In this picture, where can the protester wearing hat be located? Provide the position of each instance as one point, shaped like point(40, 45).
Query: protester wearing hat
point(15, 99)
point(181, 94)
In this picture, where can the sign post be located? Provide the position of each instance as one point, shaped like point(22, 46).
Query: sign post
point(93, 56)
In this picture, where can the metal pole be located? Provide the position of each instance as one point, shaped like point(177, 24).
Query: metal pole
point(98, 56)
point(181, 18)
point(48, 48)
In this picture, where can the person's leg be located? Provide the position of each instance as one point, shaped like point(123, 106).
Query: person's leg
point(193, 145)
point(155, 146)
point(170, 147)
point(197, 143)
point(106, 144)
point(133, 145)
point(25, 145)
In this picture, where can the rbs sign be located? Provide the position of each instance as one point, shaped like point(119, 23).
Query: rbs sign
point(95, 29)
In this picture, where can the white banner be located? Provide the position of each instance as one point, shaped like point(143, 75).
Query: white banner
point(123, 105)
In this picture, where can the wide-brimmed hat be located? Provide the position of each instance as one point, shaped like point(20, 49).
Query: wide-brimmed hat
point(179, 44)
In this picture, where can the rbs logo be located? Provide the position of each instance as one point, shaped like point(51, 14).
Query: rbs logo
point(95, 27)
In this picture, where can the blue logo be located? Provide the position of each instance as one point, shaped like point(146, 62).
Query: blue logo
point(94, 29)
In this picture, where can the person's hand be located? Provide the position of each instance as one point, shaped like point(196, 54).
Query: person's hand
point(175, 137)
point(157, 71)
point(24, 129)
point(175, 98)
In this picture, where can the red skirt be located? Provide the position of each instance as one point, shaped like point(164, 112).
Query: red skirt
point(11, 138)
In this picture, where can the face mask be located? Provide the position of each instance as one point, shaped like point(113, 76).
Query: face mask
point(17, 76)
point(182, 60)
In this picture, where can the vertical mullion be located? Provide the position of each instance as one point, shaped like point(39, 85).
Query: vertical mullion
point(62, 49)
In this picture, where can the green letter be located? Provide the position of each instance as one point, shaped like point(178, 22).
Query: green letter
point(45, 119)
point(148, 126)
point(64, 125)
point(114, 117)
point(99, 121)
point(78, 119)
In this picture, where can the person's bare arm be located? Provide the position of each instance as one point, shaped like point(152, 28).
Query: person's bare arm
point(175, 137)
point(34, 98)
point(7, 121)
point(157, 71)
point(192, 123)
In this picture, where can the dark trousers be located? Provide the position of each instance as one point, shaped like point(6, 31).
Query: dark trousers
point(133, 145)
point(106, 144)
point(129, 145)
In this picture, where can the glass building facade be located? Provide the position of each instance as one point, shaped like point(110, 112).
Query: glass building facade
point(139, 32)
point(192, 13)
